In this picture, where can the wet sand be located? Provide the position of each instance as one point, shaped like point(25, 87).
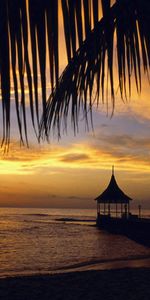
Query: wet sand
point(116, 284)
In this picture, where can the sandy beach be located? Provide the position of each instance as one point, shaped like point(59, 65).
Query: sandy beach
point(127, 283)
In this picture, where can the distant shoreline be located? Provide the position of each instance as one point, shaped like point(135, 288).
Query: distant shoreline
point(93, 265)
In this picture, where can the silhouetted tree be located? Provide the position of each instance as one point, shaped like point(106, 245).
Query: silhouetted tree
point(29, 27)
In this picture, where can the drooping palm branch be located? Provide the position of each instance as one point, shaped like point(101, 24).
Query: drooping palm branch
point(90, 72)
point(29, 28)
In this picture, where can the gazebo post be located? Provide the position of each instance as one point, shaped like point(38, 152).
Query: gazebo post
point(116, 210)
point(125, 208)
point(121, 209)
point(109, 209)
point(104, 208)
point(128, 209)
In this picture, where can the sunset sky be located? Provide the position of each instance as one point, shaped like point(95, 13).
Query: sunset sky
point(71, 172)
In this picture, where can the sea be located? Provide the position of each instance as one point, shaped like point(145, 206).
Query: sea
point(46, 241)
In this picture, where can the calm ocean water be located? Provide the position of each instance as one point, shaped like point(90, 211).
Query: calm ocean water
point(48, 240)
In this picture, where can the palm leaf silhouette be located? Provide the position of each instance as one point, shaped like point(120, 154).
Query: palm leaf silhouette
point(30, 28)
point(90, 70)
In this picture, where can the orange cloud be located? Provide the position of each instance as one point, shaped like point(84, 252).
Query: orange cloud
point(125, 151)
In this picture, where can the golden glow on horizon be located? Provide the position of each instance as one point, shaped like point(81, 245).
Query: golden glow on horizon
point(65, 176)
point(77, 156)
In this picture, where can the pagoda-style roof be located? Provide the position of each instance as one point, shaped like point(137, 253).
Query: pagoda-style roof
point(113, 194)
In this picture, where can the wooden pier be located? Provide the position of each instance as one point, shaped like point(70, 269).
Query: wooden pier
point(135, 228)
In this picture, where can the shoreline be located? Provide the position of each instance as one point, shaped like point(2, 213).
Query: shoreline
point(114, 284)
point(95, 265)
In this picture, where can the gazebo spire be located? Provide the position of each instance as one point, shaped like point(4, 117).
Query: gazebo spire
point(113, 193)
point(113, 170)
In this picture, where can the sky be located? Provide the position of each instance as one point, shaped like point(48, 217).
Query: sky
point(73, 171)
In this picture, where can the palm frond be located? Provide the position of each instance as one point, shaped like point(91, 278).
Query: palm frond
point(91, 69)
point(24, 28)
point(28, 29)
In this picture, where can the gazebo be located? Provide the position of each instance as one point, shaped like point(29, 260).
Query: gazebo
point(113, 196)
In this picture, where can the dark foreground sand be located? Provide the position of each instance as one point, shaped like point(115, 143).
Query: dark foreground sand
point(132, 283)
